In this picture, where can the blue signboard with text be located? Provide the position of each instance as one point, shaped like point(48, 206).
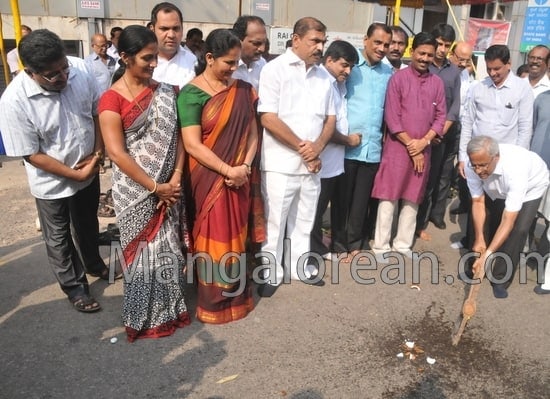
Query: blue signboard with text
point(536, 27)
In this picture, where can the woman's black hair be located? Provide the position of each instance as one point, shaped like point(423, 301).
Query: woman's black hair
point(132, 40)
point(218, 43)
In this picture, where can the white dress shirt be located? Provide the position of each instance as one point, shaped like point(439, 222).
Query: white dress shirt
point(332, 157)
point(542, 85)
point(302, 99)
point(59, 124)
point(250, 74)
point(504, 113)
point(178, 70)
point(520, 176)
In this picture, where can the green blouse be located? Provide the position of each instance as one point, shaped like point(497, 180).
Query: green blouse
point(191, 101)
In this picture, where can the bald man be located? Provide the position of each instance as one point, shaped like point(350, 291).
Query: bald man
point(99, 63)
point(461, 56)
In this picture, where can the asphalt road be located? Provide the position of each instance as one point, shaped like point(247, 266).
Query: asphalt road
point(336, 341)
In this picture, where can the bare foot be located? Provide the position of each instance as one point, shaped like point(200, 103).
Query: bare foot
point(424, 235)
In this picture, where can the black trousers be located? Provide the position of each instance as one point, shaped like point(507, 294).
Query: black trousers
point(332, 191)
point(70, 230)
point(442, 162)
point(359, 180)
point(513, 245)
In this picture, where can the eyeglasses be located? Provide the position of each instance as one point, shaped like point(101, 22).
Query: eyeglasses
point(106, 45)
point(54, 77)
point(481, 166)
point(461, 60)
point(534, 58)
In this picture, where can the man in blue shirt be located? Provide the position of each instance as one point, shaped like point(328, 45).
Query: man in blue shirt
point(366, 88)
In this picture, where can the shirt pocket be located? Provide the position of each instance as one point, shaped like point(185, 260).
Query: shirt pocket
point(507, 114)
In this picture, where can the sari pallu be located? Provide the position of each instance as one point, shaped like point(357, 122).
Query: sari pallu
point(222, 213)
point(151, 238)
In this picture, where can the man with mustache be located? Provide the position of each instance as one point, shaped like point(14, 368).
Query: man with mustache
point(444, 149)
point(176, 65)
point(251, 30)
point(538, 69)
point(297, 112)
point(48, 116)
point(366, 90)
point(415, 116)
point(399, 43)
point(500, 106)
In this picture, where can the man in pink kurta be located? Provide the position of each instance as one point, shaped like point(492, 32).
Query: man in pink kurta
point(415, 113)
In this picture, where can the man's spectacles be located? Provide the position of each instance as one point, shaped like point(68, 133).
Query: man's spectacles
point(481, 166)
point(54, 77)
point(106, 45)
point(533, 58)
point(461, 60)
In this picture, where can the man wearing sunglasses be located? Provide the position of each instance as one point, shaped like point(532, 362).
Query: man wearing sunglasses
point(48, 116)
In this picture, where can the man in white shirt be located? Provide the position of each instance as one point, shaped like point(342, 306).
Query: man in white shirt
point(338, 61)
point(538, 69)
point(514, 180)
point(461, 56)
point(500, 106)
point(13, 56)
point(193, 41)
point(176, 65)
point(297, 112)
point(48, 116)
point(251, 30)
point(113, 48)
point(398, 45)
point(100, 64)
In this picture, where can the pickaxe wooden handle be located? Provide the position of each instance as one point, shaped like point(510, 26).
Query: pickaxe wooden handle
point(469, 306)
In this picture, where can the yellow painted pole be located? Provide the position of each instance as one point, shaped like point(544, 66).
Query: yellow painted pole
point(397, 12)
point(3, 53)
point(16, 24)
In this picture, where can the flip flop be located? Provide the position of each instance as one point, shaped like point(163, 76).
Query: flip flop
point(85, 303)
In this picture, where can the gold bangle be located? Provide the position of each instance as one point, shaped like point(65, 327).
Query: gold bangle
point(248, 167)
point(220, 169)
point(154, 188)
point(178, 170)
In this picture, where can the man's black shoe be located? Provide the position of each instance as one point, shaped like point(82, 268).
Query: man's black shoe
point(440, 224)
point(458, 210)
point(317, 282)
point(266, 290)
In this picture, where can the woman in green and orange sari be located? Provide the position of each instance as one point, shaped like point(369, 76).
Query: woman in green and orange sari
point(218, 125)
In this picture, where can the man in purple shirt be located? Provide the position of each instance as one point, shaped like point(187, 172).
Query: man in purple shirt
point(443, 151)
point(415, 116)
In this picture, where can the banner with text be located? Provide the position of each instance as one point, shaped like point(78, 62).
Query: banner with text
point(483, 33)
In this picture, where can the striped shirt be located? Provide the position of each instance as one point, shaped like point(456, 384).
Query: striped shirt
point(59, 124)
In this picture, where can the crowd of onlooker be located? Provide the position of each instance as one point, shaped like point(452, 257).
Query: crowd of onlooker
point(220, 151)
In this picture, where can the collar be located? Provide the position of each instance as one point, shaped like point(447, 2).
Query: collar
point(293, 59)
point(507, 82)
point(544, 81)
point(419, 75)
point(363, 60)
point(498, 169)
point(32, 88)
point(446, 64)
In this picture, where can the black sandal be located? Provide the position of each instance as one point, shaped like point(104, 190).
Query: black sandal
point(104, 275)
point(85, 303)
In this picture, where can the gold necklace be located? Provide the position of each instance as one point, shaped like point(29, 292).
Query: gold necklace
point(137, 102)
point(132, 94)
point(209, 85)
